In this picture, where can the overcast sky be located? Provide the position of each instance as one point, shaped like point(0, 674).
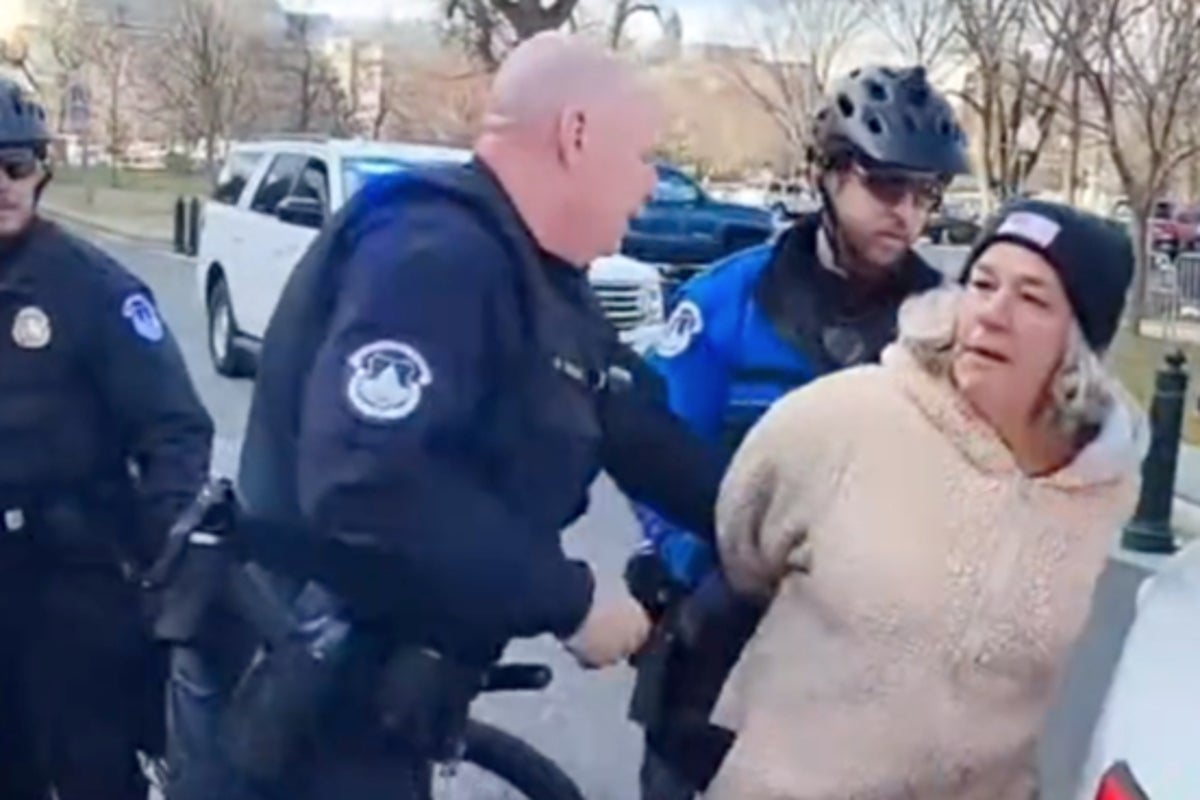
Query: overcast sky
point(702, 19)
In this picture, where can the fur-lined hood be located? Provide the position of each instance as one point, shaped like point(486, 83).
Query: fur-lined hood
point(927, 321)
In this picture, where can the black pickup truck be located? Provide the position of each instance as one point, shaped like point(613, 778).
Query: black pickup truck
point(682, 230)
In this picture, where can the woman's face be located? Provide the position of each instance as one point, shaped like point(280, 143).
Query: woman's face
point(1011, 333)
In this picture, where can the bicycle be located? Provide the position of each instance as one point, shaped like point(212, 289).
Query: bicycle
point(212, 524)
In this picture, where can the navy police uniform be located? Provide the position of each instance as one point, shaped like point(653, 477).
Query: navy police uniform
point(436, 397)
point(104, 442)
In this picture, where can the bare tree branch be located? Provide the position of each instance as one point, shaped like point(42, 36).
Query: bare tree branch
point(923, 31)
point(109, 51)
point(1139, 59)
point(1018, 75)
point(798, 42)
point(625, 10)
point(489, 28)
point(203, 72)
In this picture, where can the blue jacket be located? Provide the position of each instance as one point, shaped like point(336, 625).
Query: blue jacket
point(757, 325)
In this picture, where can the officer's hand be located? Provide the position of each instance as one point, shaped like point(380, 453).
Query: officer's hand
point(615, 628)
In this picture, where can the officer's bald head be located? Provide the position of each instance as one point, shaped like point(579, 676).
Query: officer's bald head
point(553, 73)
point(568, 130)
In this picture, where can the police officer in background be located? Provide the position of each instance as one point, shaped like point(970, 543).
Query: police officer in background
point(823, 297)
point(102, 442)
point(439, 389)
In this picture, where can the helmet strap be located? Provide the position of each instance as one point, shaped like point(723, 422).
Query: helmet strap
point(829, 244)
point(47, 176)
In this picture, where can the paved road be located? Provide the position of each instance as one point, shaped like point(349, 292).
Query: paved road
point(580, 721)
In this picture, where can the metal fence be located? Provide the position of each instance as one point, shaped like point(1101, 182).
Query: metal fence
point(1173, 297)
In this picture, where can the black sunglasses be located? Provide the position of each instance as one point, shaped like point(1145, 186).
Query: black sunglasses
point(891, 187)
point(18, 169)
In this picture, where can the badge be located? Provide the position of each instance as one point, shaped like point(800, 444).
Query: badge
point(31, 328)
point(682, 327)
point(386, 380)
point(142, 314)
point(843, 344)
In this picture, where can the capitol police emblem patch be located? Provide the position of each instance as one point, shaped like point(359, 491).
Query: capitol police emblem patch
point(144, 317)
point(386, 381)
point(682, 327)
point(31, 328)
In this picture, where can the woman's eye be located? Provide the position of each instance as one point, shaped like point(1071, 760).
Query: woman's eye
point(1036, 300)
point(982, 285)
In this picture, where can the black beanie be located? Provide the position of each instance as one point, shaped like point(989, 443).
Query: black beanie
point(1092, 256)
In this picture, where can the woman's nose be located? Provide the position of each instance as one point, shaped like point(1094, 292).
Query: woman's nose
point(996, 310)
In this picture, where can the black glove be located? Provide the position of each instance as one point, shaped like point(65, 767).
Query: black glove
point(651, 584)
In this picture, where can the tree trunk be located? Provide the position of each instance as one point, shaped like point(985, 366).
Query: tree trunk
point(1076, 140)
point(114, 125)
point(1193, 170)
point(306, 92)
point(1141, 260)
point(210, 151)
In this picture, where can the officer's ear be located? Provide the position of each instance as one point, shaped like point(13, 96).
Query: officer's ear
point(572, 132)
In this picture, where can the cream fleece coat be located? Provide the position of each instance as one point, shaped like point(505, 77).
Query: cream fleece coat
point(926, 593)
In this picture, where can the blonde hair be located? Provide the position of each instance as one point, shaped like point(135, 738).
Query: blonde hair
point(1081, 392)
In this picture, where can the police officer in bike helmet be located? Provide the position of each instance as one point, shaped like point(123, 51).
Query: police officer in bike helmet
point(824, 296)
point(102, 442)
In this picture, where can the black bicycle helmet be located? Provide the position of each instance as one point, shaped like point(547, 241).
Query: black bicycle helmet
point(22, 121)
point(890, 118)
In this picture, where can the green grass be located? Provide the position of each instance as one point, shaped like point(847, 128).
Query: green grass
point(1136, 359)
point(155, 181)
point(143, 204)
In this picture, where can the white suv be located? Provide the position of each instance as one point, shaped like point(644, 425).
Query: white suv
point(272, 198)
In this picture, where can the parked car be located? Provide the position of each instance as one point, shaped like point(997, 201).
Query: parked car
point(270, 202)
point(682, 230)
point(1150, 721)
point(790, 199)
point(1173, 227)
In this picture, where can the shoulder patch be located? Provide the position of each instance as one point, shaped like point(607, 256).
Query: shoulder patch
point(386, 380)
point(143, 316)
point(685, 322)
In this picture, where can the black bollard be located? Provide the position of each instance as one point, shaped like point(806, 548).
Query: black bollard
point(180, 225)
point(194, 228)
point(1150, 529)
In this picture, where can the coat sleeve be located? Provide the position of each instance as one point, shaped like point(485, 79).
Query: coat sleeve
point(141, 374)
point(696, 385)
point(389, 428)
point(694, 374)
point(783, 476)
point(655, 457)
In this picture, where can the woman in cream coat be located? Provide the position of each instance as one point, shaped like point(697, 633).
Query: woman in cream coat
point(928, 531)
